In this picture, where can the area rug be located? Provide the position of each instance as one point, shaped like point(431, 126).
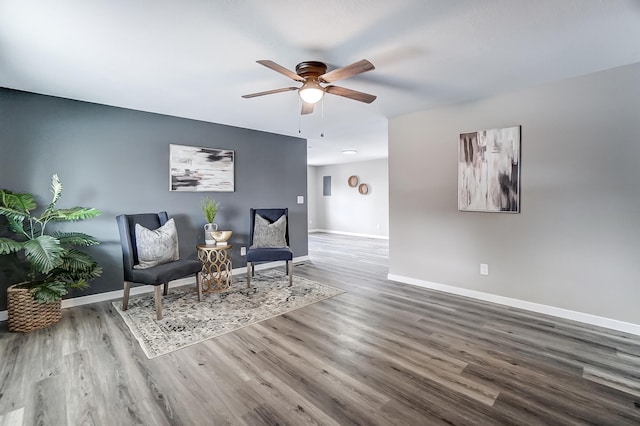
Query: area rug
point(186, 321)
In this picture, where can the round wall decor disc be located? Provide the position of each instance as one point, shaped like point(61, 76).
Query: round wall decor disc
point(353, 181)
point(363, 189)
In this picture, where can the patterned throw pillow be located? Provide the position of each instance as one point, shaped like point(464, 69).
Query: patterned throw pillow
point(158, 246)
point(269, 235)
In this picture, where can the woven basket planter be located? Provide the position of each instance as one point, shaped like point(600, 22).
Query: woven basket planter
point(25, 314)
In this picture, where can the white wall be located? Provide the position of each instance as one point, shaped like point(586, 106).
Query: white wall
point(346, 210)
point(576, 243)
point(313, 193)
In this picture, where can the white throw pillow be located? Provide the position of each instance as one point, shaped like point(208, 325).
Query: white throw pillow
point(158, 246)
point(269, 235)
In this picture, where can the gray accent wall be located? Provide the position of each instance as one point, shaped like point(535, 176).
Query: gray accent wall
point(576, 243)
point(117, 160)
point(346, 210)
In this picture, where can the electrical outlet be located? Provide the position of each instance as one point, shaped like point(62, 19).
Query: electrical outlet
point(484, 269)
point(300, 199)
point(243, 251)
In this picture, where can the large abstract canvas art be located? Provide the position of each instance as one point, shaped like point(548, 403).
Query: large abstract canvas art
point(489, 170)
point(201, 169)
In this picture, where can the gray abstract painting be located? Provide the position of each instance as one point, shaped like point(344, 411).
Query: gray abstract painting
point(201, 169)
point(489, 170)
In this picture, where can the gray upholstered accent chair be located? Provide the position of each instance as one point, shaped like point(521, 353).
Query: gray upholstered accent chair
point(155, 275)
point(268, 254)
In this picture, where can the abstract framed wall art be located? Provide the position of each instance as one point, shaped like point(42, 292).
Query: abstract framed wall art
point(201, 169)
point(489, 170)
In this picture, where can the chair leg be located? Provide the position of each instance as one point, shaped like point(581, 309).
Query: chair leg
point(125, 299)
point(249, 273)
point(199, 285)
point(166, 288)
point(158, 298)
point(290, 272)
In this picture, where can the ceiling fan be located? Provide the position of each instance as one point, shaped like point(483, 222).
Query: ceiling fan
point(312, 74)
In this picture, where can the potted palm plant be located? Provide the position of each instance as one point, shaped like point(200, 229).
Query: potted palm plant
point(51, 263)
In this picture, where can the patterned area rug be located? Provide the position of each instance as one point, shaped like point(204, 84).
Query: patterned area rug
point(186, 321)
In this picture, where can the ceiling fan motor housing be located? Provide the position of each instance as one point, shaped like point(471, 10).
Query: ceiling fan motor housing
point(311, 69)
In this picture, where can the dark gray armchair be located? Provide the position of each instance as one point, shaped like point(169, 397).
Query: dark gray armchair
point(269, 254)
point(155, 275)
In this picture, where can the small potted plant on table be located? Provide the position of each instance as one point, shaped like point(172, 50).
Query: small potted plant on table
point(211, 233)
point(210, 209)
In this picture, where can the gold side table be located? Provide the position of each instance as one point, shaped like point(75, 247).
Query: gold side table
point(216, 274)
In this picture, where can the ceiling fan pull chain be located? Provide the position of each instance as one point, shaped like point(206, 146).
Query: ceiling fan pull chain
point(322, 111)
point(299, 116)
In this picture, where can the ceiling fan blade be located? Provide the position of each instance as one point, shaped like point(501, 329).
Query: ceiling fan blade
point(280, 69)
point(346, 72)
point(351, 94)
point(307, 108)
point(269, 92)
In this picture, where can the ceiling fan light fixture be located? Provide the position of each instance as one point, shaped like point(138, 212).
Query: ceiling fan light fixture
point(311, 92)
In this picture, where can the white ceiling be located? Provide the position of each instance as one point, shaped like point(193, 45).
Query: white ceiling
point(195, 58)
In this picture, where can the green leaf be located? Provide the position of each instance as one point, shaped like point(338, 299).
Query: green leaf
point(19, 202)
point(49, 291)
point(7, 245)
point(56, 190)
point(74, 213)
point(16, 225)
point(75, 239)
point(44, 253)
point(13, 214)
point(81, 284)
point(77, 261)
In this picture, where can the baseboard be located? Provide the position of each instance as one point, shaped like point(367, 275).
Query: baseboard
point(351, 234)
point(522, 304)
point(117, 294)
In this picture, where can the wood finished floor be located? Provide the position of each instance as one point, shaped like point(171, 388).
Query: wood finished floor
point(383, 353)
